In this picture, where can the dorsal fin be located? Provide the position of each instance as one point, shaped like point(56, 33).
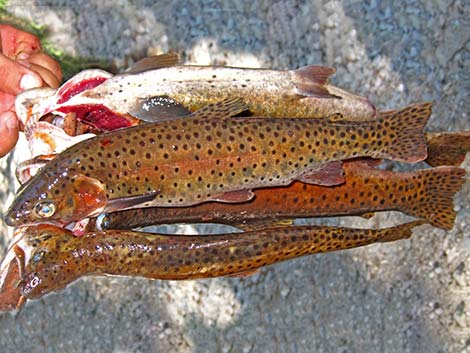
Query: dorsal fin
point(153, 62)
point(311, 80)
point(222, 109)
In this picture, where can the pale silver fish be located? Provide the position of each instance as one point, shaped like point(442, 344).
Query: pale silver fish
point(157, 86)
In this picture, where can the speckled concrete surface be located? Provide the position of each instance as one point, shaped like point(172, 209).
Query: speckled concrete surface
point(410, 296)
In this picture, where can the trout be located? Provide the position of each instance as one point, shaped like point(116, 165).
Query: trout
point(209, 156)
point(46, 258)
point(158, 87)
point(426, 194)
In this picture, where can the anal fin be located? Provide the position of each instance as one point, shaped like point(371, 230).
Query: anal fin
point(328, 174)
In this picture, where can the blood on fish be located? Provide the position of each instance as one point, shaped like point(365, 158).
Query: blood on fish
point(81, 86)
point(105, 143)
point(97, 115)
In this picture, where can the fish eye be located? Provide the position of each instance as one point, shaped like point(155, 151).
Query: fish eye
point(102, 222)
point(38, 256)
point(45, 209)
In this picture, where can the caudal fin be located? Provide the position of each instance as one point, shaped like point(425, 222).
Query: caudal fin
point(403, 231)
point(401, 134)
point(447, 148)
point(432, 196)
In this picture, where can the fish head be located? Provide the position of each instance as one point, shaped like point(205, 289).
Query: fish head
point(56, 199)
point(39, 247)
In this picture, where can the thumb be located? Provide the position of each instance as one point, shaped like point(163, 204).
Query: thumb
point(8, 131)
point(16, 78)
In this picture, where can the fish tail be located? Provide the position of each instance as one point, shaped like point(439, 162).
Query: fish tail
point(432, 195)
point(402, 231)
point(400, 136)
point(447, 148)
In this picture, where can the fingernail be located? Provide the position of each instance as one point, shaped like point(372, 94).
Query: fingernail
point(12, 123)
point(22, 56)
point(29, 81)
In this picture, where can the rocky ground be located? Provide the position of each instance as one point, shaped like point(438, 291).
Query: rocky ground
point(410, 296)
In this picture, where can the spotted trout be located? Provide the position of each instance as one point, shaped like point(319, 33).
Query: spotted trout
point(46, 258)
point(209, 156)
point(158, 87)
point(426, 194)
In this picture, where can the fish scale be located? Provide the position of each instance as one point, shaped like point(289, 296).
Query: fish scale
point(206, 157)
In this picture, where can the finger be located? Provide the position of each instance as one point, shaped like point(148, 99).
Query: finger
point(44, 60)
point(47, 76)
point(7, 102)
point(8, 131)
point(16, 78)
point(15, 41)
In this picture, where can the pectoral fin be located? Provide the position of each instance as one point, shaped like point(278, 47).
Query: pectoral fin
point(153, 62)
point(328, 174)
point(123, 203)
point(159, 108)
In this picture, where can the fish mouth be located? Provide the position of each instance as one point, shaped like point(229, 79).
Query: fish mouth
point(12, 220)
point(18, 221)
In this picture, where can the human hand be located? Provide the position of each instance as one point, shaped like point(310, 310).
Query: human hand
point(22, 66)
